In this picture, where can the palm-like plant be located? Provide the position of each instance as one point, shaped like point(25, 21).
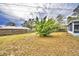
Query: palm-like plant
point(45, 27)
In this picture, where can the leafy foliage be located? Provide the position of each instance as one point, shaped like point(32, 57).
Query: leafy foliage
point(70, 18)
point(29, 23)
point(60, 18)
point(10, 24)
point(45, 27)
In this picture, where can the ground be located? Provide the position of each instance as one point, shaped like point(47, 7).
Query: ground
point(30, 44)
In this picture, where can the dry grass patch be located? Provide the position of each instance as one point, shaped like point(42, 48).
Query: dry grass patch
point(59, 43)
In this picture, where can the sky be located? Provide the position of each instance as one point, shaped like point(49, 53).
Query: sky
point(39, 1)
point(17, 12)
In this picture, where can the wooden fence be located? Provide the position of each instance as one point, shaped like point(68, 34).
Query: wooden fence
point(9, 31)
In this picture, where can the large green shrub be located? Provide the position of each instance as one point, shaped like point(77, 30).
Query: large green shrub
point(45, 27)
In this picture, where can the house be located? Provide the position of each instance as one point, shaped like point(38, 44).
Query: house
point(73, 24)
point(73, 27)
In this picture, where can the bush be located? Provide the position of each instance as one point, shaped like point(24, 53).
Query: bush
point(45, 27)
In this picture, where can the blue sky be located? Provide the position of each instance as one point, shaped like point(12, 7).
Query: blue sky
point(5, 20)
point(16, 12)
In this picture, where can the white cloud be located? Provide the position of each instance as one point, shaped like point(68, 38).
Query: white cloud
point(39, 1)
point(30, 10)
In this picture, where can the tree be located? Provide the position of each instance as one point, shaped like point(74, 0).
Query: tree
point(70, 18)
point(78, 17)
point(62, 23)
point(10, 24)
point(76, 11)
point(45, 27)
point(29, 23)
point(60, 18)
point(24, 24)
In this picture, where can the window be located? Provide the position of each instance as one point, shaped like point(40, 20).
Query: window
point(76, 27)
point(70, 27)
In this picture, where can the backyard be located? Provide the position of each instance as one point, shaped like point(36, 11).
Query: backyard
point(30, 44)
point(39, 29)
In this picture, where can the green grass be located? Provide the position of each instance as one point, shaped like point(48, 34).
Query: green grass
point(29, 44)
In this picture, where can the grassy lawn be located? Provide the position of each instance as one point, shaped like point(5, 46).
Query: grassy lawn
point(59, 43)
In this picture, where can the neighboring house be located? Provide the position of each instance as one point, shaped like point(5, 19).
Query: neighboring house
point(73, 27)
point(73, 24)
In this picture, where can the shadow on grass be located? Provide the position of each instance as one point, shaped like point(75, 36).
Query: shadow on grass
point(48, 37)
